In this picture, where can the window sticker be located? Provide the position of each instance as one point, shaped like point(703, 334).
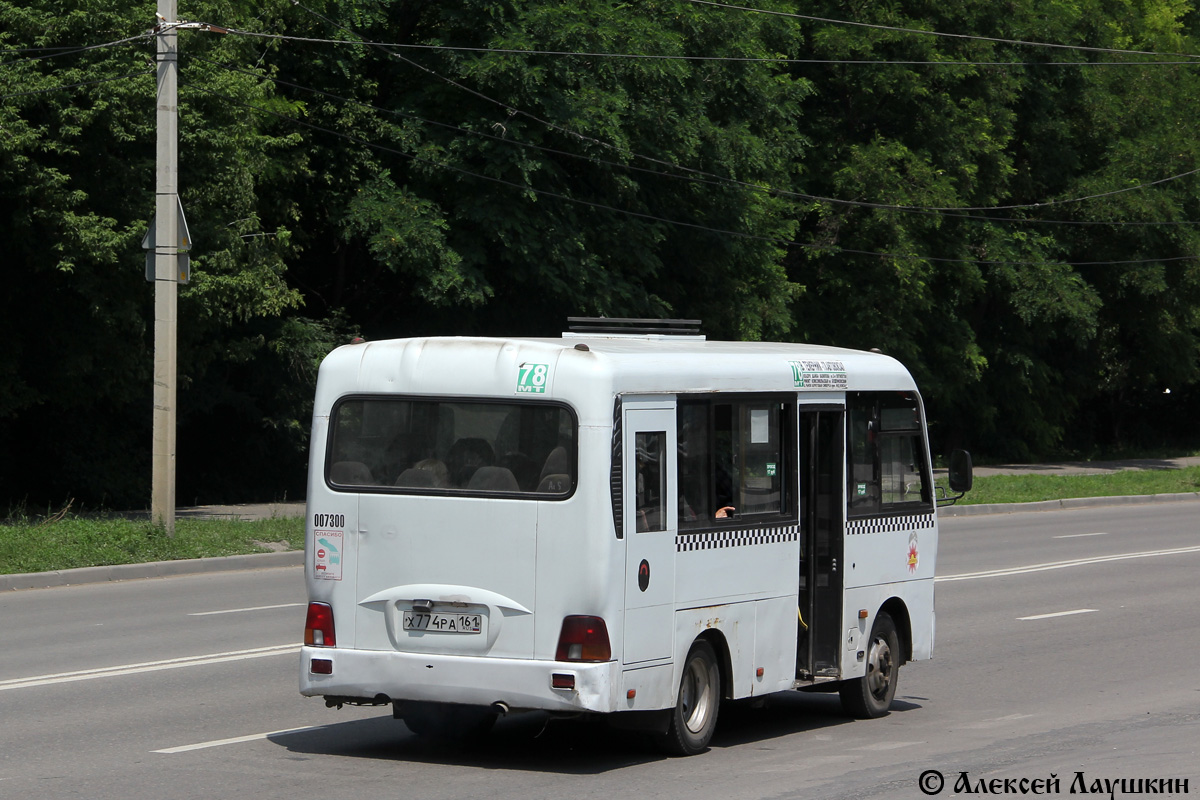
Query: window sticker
point(532, 378)
point(327, 555)
point(760, 425)
point(818, 374)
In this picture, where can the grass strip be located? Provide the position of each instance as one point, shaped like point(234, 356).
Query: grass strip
point(1034, 488)
point(78, 541)
point(28, 546)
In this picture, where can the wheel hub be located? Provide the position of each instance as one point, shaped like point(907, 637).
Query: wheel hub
point(879, 668)
point(696, 696)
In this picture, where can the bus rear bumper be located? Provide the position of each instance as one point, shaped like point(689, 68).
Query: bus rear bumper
point(517, 683)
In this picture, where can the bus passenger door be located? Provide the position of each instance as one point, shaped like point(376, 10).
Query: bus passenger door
point(822, 440)
point(650, 525)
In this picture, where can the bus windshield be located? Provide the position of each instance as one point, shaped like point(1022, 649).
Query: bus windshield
point(460, 446)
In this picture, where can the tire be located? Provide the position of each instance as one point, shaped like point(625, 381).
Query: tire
point(694, 717)
point(870, 696)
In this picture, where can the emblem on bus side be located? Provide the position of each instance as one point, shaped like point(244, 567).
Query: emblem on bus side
point(644, 575)
point(913, 558)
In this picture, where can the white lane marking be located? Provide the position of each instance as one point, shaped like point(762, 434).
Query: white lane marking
point(239, 610)
point(1058, 614)
point(236, 740)
point(1079, 562)
point(148, 666)
point(1078, 535)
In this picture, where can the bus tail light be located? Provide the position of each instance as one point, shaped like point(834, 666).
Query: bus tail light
point(583, 639)
point(318, 627)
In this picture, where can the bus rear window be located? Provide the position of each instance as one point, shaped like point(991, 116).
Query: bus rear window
point(451, 447)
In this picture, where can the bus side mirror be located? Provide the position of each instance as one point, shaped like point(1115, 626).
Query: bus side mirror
point(961, 476)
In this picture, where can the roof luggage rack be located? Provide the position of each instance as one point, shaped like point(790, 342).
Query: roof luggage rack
point(636, 327)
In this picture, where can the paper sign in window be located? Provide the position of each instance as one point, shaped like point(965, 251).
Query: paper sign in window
point(760, 425)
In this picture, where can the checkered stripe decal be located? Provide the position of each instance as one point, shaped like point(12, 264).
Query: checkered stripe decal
point(715, 540)
point(915, 522)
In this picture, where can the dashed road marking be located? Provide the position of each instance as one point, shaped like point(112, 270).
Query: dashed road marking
point(1058, 614)
point(253, 737)
point(239, 610)
point(148, 666)
point(1078, 562)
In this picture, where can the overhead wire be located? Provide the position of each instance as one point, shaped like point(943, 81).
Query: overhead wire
point(654, 218)
point(692, 174)
point(679, 57)
point(699, 176)
point(72, 50)
point(64, 87)
point(661, 162)
point(709, 181)
point(964, 36)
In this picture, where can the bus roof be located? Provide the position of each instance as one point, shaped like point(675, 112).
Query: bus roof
point(591, 364)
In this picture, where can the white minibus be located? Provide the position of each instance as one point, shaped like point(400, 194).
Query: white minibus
point(629, 520)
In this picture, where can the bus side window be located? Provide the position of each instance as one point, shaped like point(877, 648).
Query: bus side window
point(692, 442)
point(736, 458)
point(886, 463)
point(651, 482)
point(864, 481)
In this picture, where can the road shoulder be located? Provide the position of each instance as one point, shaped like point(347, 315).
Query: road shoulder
point(295, 558)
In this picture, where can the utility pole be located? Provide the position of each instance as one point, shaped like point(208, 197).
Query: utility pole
point(166, 268)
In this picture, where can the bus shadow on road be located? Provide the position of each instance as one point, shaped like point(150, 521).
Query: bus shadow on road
point(528, 742)
point(785, 714)
point(536, 742)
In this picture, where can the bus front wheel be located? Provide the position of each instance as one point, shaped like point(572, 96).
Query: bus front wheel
point(870, 696)
point(695, 715)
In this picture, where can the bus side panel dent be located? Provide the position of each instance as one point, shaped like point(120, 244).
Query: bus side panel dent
point(733, 624)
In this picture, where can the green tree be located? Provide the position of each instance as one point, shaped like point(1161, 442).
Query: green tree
point(76, 193)
point(1014, 346)
point(519, 189)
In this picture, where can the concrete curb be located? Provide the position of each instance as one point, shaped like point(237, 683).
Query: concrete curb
point(1075, 502)
point(153, 569)
point(295, 558)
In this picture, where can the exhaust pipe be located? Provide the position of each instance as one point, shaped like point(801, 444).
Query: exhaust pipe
point(500, 707)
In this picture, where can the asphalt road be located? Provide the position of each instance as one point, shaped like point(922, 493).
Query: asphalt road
point(1066, 643)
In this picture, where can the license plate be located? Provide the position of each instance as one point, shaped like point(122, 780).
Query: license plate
point(445, 623)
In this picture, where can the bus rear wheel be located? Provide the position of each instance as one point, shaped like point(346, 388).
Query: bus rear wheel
point(870, 696)
point(694, 717)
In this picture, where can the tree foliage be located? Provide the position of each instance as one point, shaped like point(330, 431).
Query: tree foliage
point(425, 173)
